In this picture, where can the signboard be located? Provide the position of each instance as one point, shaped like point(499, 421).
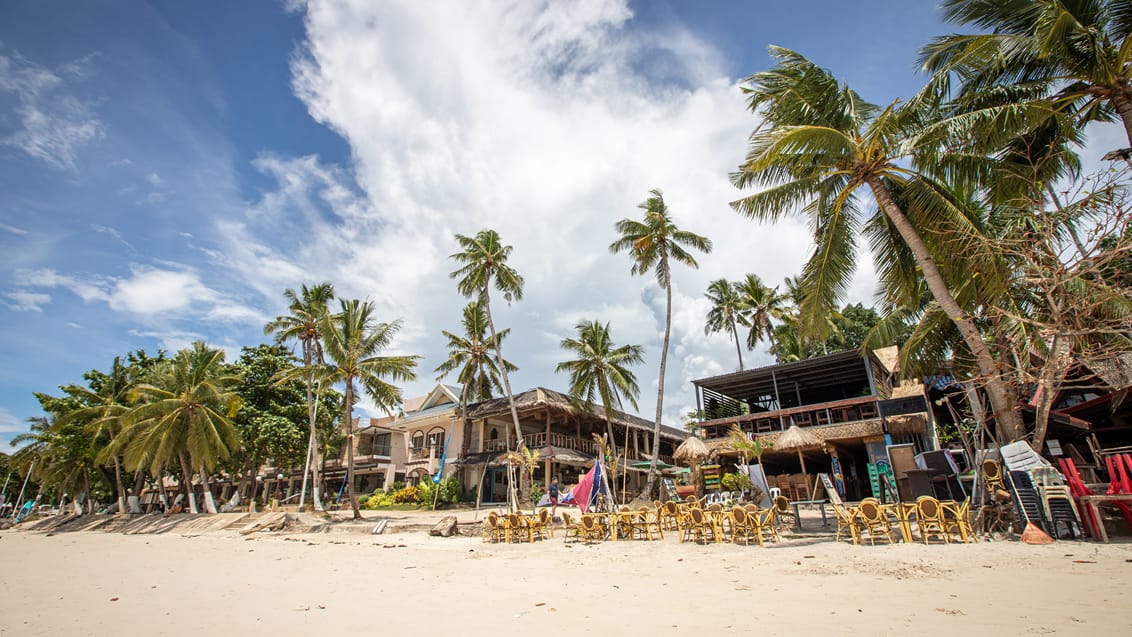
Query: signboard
point(712, 477)
point(830, 491)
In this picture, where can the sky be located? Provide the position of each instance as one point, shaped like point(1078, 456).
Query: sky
point(168, 169)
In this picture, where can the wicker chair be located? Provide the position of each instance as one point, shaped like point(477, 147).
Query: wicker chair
point(592, 528)
point(491, 528)
point(698, 527)
point(874, 521)
point(783, 511)
point(763, 525)
point(930, 520)
point(847, 519)
point(573, 529)
point(957, 519)
point(742, 531)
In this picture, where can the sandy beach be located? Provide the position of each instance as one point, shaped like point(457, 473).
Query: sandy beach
point(91, 583)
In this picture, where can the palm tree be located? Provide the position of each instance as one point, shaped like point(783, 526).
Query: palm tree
point(308, 310)
point(483, 264)
point(1077, 54)
point(725, 313)
point(185, 416)
point(470, 356)
point(352, 339)
point(653, 243)
point(760, 303)
point(819, 144)
point(109, 399)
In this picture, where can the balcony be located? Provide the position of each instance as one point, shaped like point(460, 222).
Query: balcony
point(587, 446)
point(837, 412)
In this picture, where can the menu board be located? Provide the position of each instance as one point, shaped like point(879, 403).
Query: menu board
point(711, 477)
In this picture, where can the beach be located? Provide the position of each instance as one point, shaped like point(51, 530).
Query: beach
point(91, 583)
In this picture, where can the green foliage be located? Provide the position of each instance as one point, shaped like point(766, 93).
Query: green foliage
point(736, 482)
point(536, 491)
point(378, 500)
point(407, 495)
point(395, 487)
point(363, 500)
point(449, 489)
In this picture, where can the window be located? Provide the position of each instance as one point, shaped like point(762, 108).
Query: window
point(382, 444)
point(418, 440)
point(436, 439)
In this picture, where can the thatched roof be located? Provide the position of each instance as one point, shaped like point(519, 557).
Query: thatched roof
point(691, 449)
point(824, 433)
point(541, 397)
point(797, 438)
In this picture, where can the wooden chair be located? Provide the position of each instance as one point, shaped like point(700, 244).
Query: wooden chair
point(875, 521)
point(742, 531)
point(847, 520)
point(491, 528)
point(929, 519)
point(801, 485)
point(698, 527)
point(573, 529)
point(786, 486)
point(763, 525)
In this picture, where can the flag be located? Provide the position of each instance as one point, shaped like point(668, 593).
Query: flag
point(443, 456)
point(585, 493)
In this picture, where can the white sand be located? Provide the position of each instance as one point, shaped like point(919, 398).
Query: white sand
point(339, 583)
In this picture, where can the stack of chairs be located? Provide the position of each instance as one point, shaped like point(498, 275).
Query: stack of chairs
point(1057, 500)
point(1027, 500)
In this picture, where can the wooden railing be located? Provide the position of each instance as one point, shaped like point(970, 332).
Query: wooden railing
point(818, 414)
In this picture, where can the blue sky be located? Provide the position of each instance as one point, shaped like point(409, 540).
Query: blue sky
point(168, 169)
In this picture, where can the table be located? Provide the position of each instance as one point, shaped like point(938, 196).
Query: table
point(1092, 501)
point(798, 518)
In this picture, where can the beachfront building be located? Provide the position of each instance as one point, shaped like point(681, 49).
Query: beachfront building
point(428, 429)
point(849, 402)
point(563, 433)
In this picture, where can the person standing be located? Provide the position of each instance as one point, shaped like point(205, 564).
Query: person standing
point(552, 493)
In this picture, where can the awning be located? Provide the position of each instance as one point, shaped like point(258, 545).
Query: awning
point(476, 459)
point(562, 455)
point(644, 464)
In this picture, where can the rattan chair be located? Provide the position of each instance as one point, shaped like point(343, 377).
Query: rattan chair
point(491, 528)
point(930, 520)
point(742, 530)
point(763, 525)
point(847, 519)
point(698, 527)
point(875, 521)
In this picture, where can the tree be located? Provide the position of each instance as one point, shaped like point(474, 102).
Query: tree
point(1076, 54)
point(725, 313)
point(109, 400)
point(353, 339)
point(308, 309)
point(760, 304)
point(819, 144)
point(601, 370)
point(653, 243)
point(483, 265)
point(185, 415)
point(470, 356)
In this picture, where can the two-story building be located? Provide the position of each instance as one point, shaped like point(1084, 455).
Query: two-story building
point(562, 431)
point(848, 400)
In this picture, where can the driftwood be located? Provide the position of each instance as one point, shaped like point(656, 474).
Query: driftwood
point(446, 527)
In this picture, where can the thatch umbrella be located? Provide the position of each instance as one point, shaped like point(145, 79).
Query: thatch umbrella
point(798, 439)
point(692, 451)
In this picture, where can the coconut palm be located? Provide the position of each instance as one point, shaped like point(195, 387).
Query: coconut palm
point(760, 303)
point(601, 370)
point(654, 243)
point(470, 356)
point(109, 400)
point(819, 145)
point(185, 416)
point(353, 339)
point(308, 309)
point(483, 265)
point(1077, 55)
point(725, 313)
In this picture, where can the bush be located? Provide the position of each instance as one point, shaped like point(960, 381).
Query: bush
point(736, 482)
point(363, 501)
point(377, 501)
point(449, 491)
point(536, 491)
point(395, 487)
point(407, 495)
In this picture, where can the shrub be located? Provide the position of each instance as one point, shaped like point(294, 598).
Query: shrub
point(736, 482)
point(363, 501)
point(449, 491)
point(377, 501)
point(407, 495)
point(395, 487)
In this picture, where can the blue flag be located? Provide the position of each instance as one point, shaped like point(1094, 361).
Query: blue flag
point(443, 456)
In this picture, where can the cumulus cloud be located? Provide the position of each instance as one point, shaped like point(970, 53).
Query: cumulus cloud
point(10, 426)
point(53, 123)
point(24, 301)
point(543, 123)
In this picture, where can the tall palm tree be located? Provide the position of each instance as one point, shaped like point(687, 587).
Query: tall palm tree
point(483, 265)
point(353, 339)
point(818, 146)
point(760, 303)
point(109, 400)
point(654, 243)
point(308, 309)
point(726, 312)
point(1075, 54)
point(470, 356)
point(601, 369)
point(185, 416)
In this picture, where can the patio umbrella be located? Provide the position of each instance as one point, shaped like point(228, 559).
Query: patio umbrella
point(692, 451)
point(797, 439)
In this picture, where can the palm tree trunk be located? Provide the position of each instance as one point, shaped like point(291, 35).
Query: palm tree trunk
point(1122, 102)
point(312, 443)
point(349, 415)
point(187, 478)
point(134, 501)
point(1008, 419)
point(209, 503)
point(502, 369)
point(650, 483)
point(118, 478)
point(738, 350)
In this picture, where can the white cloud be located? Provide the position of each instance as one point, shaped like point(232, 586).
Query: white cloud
point(10, 425)
point(54, 124)
point(543, 123)
point(13, 229)
point(24, 301)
